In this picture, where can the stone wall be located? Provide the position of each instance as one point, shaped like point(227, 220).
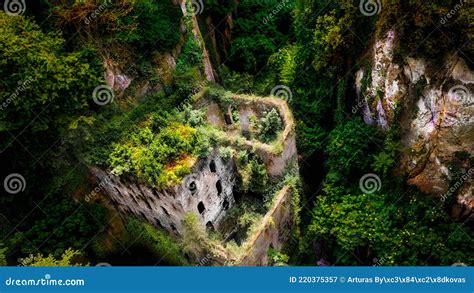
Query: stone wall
point(207, 192)
point(276, 161)
point(274, 230)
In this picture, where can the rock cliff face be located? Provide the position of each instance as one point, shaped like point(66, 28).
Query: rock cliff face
point(274, 230)
point(186, 7)
point(435, 109)
point(120, 76)
point(207, 192)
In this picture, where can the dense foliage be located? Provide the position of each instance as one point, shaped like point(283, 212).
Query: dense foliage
point(52, 131)
point(160, 158)
point(259, 32)
point(41, 75)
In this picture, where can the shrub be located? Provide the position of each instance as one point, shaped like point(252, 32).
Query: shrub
point(193, 117)
point(161, 244)
point(350, 145)
point(161, 158)
point(57, 75)
point(3, 258)
point(269, 126)
point(225, 152)
point(256, 34)
point(258, 177)
point(64, 224)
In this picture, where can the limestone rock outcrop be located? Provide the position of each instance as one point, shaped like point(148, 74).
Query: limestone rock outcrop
point(436, 108)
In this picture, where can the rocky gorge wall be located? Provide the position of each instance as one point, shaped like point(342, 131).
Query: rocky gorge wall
point(274, 230)
point(120, 76)
point(436, 115)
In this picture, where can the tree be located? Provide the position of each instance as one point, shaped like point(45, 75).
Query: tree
point(63, 224)
point(259, 30)
point(364, 227)
point(269, 126)
point(355, 222)
point(43, 80)
point(350, 145)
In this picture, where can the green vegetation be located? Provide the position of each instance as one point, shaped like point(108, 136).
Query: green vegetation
point(65, 260)
point(419, 36)
point(410, 232)
point(146, 25)
point(162, 245)
point(259, 33)
point(52, 131)
point(157, 25)
point(277, 258)
point(41, 73)
point(63, 224)
point(350, 145)
point(160, 158)
point(3, 257)
point(269, 126)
